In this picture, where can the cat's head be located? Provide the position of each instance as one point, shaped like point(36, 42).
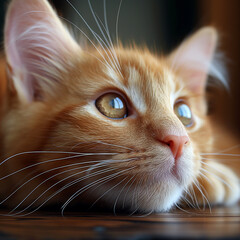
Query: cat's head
point(137, 122)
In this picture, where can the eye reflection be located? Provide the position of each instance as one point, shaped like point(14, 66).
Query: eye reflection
point(116, 103)
point(183, 112)
point(112, 105)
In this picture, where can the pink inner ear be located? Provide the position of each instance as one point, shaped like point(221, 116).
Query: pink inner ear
point(192, 60)
point(36, 44)
point(194, 79)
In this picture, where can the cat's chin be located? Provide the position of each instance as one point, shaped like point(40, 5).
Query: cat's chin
point(161, 197)
point(161, 202)
point(163, 191)
point(154, 189)
point(157, 193)
point(158, 198)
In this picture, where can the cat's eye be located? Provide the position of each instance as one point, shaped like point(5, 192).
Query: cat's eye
point(183, 112)
point(112, 105)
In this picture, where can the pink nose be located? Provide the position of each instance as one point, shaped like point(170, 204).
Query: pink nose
point(176, 144)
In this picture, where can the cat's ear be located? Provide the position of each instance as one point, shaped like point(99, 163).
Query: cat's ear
point(192, 59)
point(37, 46)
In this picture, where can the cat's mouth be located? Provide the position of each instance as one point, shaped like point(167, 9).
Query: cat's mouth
point(168, 168)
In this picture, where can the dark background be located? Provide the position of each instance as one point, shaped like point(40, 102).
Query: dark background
point(161, 25)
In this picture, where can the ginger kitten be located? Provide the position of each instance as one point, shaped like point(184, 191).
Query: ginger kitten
point(117, 126)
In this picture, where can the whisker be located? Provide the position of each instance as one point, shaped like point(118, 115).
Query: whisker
point(99, 27)
point(109, 37)
point(57, 159)
point(204, 176)
point(204, 198)
point(134, 211)
point(219, 178)
point(85, 188)
point(111, 49)
point(93, 33)
point(85, 35)
point(134, 197)
point(195, 197)
point(104, 143)
point(108, 44)
point(187, 201)
point(230, 148)
point(221, 159)
point(31, 179)
point(71, 183)
point(37, 152)
point(117, 20)
point(115, 204)
point(203, 195)
point(42, 184)
point(126, 193)
point(145, 215)
point(183, 210)
point(107, 191)
point(63, 188)
point(220, 154)
point(115, 145)
point(215, 169)
point(66, 20)
point(50, 170)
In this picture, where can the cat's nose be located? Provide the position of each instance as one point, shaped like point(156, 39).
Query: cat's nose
point(176, 144)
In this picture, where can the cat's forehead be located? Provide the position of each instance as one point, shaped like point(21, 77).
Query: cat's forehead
point(145, 79)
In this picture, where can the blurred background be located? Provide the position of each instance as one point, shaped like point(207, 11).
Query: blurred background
point(162, 25)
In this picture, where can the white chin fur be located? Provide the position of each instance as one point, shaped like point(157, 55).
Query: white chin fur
point(156, 193)
point(161, 202)
point(143, 199)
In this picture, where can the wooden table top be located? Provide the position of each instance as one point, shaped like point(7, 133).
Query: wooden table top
point(220, 223)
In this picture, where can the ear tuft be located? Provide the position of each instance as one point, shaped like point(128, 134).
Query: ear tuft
point(36, 47)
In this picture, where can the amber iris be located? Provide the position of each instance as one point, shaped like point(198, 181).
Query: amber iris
point(183, 112)
point(112, 105)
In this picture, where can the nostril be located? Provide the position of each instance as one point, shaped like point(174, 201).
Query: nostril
point(185, 139)
point(176, 144)
point(169, 143)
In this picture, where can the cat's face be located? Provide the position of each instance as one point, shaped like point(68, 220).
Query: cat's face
point(144, 99)
point(130, 125)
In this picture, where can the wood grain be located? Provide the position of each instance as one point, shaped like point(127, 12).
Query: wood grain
point(199, 224)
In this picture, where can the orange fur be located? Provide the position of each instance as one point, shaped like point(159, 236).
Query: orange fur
point(65, 121)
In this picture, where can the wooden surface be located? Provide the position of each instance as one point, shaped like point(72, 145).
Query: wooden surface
point(221, 223)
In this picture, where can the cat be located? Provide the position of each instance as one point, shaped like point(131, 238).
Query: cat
point(117, 127)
